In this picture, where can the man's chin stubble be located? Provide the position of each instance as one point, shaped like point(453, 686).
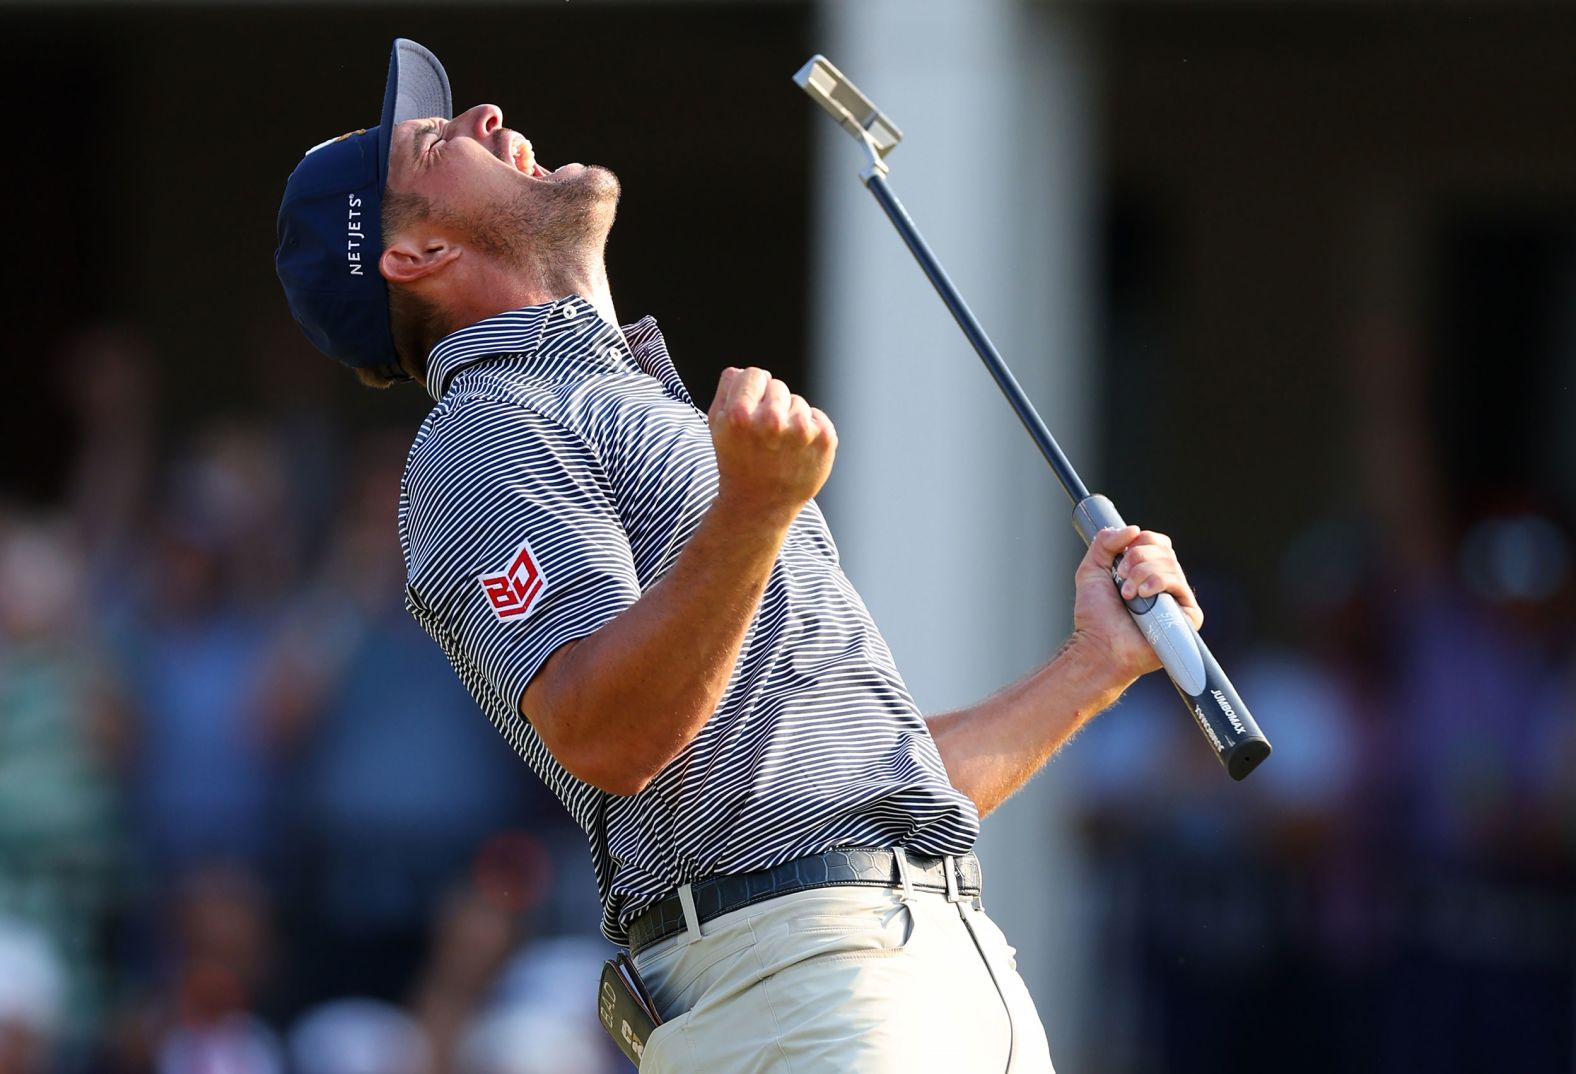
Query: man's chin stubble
point(554, 230)
point(603, 181)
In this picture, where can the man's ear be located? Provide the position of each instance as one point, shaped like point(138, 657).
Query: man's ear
point(409, 259)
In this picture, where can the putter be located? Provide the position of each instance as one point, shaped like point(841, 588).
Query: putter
point(1197, 676)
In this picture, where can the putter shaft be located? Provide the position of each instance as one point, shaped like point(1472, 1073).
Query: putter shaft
point(1071, 483)
point(1203, 686)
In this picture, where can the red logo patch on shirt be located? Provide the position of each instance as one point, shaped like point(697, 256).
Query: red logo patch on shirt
point(514, 591)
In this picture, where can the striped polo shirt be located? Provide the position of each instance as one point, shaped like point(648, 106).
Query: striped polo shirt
point(558, 478)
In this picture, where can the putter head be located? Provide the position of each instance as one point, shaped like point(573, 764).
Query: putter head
point(854, 112)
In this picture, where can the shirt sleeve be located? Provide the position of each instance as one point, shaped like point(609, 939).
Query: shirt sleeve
point(514, 542)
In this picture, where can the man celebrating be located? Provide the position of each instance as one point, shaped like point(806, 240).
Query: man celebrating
point(646, 602)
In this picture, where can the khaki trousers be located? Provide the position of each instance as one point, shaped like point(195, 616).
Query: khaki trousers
point(845, 980)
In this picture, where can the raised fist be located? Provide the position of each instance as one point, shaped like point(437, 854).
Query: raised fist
point(774, 450)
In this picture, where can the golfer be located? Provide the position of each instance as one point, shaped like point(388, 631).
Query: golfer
point(645, 600)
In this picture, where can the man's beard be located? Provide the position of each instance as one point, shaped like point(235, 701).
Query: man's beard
point(553, 231)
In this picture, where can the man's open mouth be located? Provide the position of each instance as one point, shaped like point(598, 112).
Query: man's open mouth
point(525, 158)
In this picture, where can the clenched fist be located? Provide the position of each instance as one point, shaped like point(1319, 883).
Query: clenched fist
point(774, 450)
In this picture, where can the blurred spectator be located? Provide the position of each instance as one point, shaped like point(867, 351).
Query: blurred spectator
point(60, 844)
point(32, 999)
point(358, 1036)
point(193, 651)
point(1482, 641)
point(233, 1043)
point(537, 1020)
point(1484, 693)
point(472, 937)
point(398, 781)
point(106, 380)
point(198, 1009)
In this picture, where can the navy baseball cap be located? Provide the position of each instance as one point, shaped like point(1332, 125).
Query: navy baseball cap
point(330, 231)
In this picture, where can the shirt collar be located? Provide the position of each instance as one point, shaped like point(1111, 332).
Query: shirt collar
point(567, 334)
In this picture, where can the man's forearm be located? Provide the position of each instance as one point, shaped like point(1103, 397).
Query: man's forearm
point(992, 748)
point(619, 704)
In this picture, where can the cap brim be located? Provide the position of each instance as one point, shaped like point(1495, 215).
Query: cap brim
point(418, 87)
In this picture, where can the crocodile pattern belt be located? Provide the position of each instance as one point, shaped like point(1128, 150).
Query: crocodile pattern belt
point(718, 895)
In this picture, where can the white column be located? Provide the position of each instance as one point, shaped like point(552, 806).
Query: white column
point(949, 522)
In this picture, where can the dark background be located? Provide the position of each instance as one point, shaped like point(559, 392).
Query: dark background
point(165, 135)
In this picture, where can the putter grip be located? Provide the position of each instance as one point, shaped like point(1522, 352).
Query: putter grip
point(1208, 694)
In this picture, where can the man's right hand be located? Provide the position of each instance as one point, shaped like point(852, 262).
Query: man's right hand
point(774, 450)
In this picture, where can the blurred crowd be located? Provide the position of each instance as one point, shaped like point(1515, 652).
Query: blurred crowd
point(250, 823)
point(1395, 889)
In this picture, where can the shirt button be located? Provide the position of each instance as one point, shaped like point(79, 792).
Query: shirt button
point(569, 312)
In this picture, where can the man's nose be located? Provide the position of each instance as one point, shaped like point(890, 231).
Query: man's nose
point(480, 122)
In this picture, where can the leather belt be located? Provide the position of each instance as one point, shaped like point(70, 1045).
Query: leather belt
point(718, 895)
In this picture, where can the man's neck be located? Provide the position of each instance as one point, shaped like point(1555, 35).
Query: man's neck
point(595, 290)
point(484, 289)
